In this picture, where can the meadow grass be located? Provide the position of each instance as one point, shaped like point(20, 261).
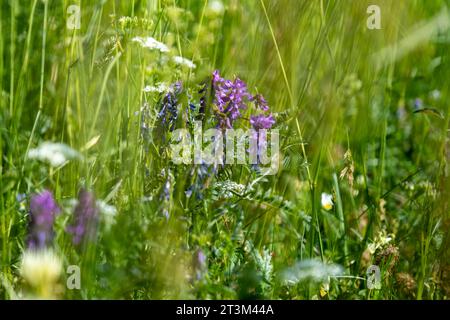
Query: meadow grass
point(363, 115)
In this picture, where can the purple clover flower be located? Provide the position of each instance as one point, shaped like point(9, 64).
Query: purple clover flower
point(230, 97)
point(85, 218)
point(43, 210)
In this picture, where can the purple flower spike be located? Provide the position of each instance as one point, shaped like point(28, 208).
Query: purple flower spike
point(43, 209)
point(85, 218)
point(169, 111)
point(262, 122)
point(230, 97)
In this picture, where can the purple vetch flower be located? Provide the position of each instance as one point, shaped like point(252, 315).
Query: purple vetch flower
point(202, 174)
point(188, 192)
point(165, 193)
point(169, 111)
point(21, 200)
point(199, 264)
point(166, 214)
point(43, 210)
point(260, 102)
point(86, 218)
point(418, 103)
point(262, 122)
point(145, 127)
point(166, 190)
point(20, 197)
point(201, 258)
point(203, 98)
point(230, 97)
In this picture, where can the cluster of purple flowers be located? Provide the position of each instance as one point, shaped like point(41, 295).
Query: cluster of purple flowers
point(264, 120)
point(169, 111)
point(200, 174)
point(85, 218)
point(230, 97)
point(43, 211)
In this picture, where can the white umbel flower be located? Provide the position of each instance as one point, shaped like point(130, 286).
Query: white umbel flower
point(55, 154)
point(311, 270)
point(327, 201)
point(160, 88)
point(227, 189)
point(151, 43)
point(184, 62)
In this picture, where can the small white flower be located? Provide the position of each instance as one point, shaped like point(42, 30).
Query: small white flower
point(311, 270)
point(227, 189)
point(435, 94)
point(161, 87)
point(184, 62)
point(151, 43)
point(41, 269)
point(54, 153)
point(109, 213)
point(216, 6)
point(327, 201)
point(146, 199)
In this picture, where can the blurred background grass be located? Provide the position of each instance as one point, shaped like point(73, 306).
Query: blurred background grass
point(335, 86)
